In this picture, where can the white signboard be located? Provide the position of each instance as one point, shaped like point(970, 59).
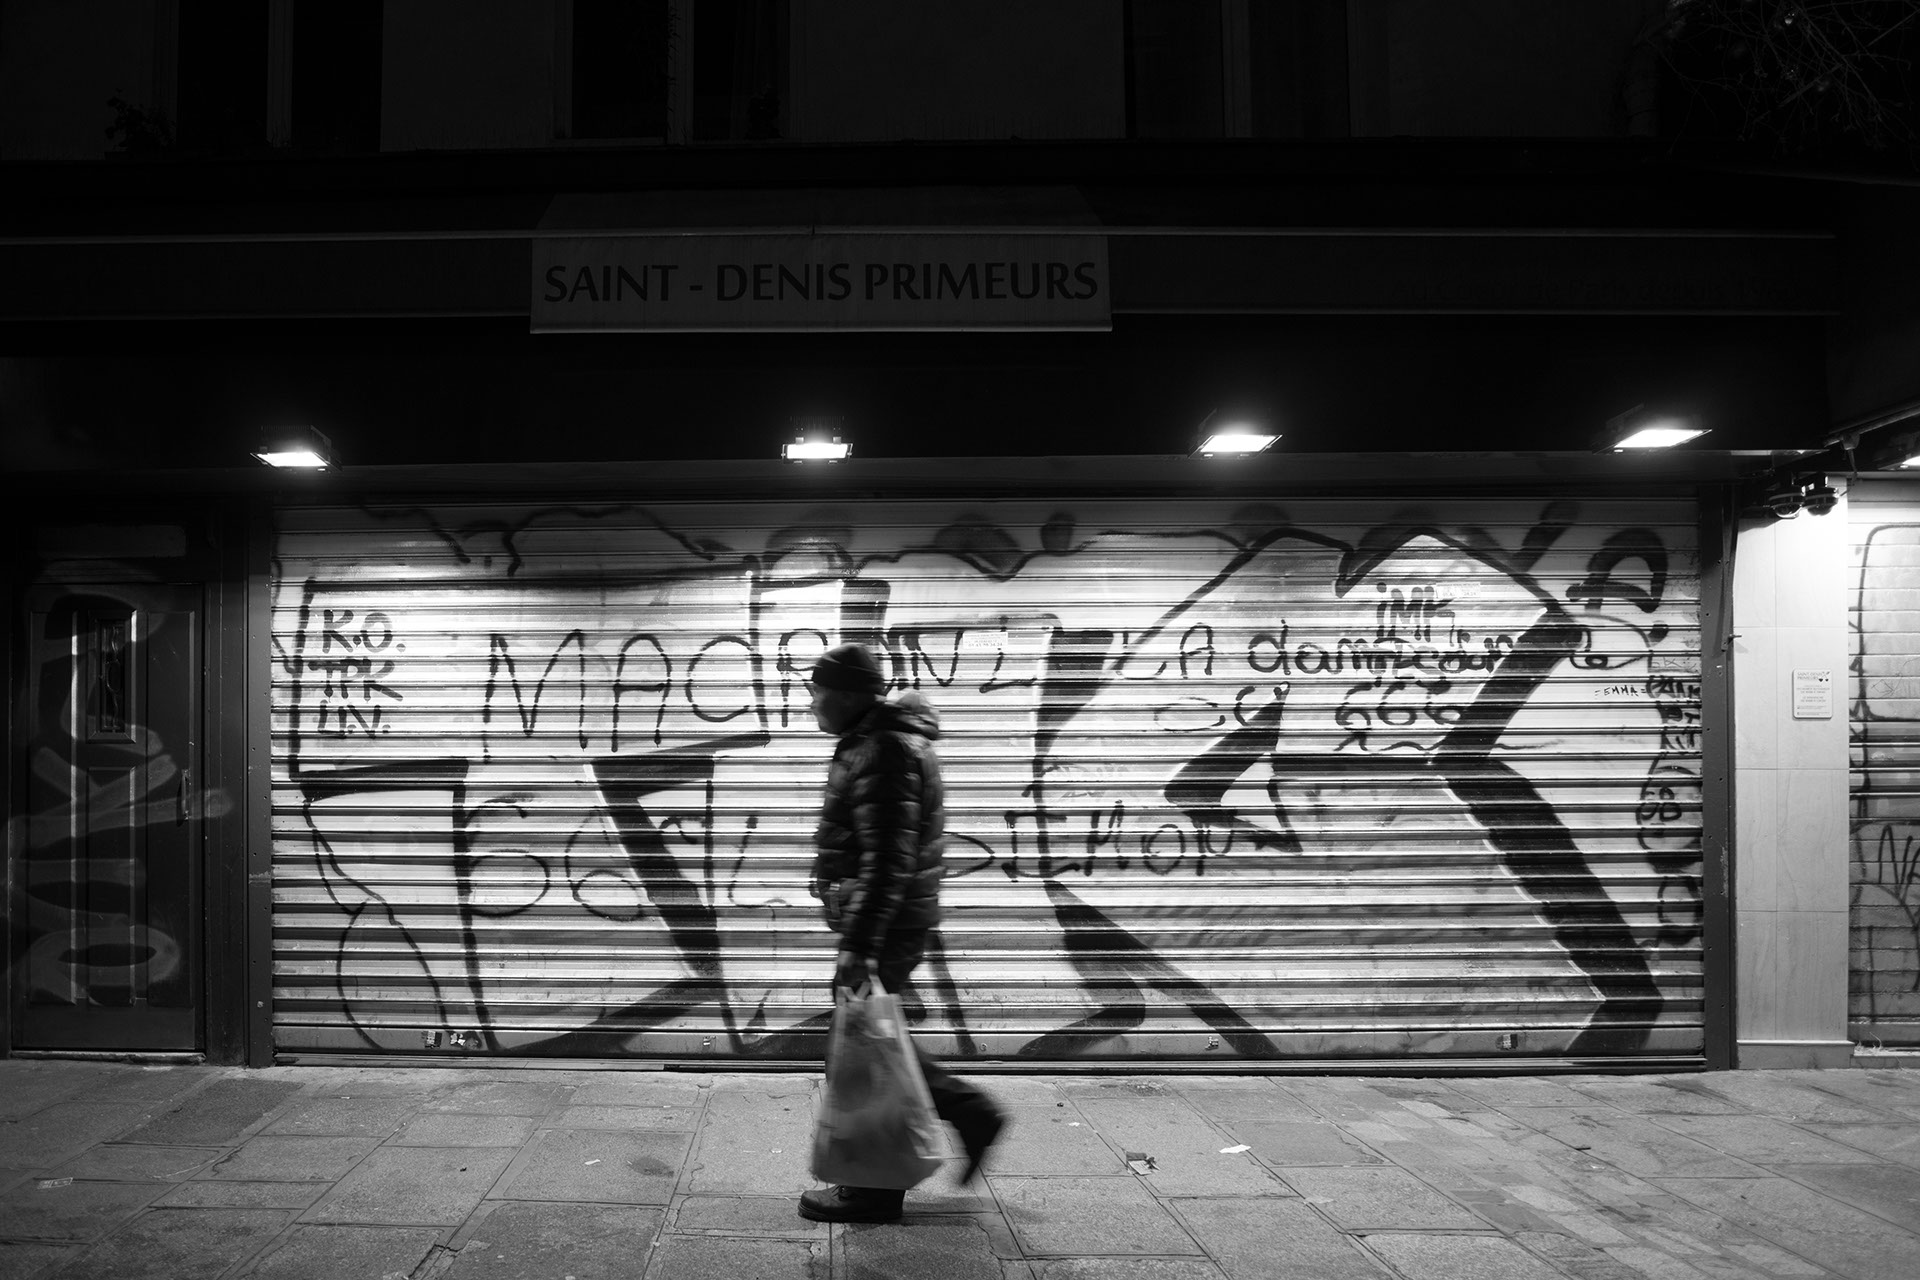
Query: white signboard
point(1812, 694)
point(841, 281)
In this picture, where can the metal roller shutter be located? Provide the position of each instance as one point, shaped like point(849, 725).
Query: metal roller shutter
point(1315, 780)
point(1884, 968)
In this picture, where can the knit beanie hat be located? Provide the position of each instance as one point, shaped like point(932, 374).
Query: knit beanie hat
point(851, 667)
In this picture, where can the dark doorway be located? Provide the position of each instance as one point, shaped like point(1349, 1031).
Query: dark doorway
point(108, 896)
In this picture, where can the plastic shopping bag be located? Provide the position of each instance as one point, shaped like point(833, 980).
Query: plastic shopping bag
point(876, 1125)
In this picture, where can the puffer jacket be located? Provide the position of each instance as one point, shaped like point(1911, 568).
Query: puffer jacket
point(877, 861)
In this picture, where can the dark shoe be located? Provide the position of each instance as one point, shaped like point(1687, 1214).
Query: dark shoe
point(851, 1204)
point(977, 1133)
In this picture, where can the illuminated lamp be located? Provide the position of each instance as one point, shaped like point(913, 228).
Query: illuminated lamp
point(1639, 429)
point(1231, 439)
point(816, 438)
point(304, 448)
point(815, 449)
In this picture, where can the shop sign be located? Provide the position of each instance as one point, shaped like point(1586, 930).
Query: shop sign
point(691, 283)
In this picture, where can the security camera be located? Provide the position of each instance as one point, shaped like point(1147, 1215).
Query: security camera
point(1784, 503)
point(1820, 497)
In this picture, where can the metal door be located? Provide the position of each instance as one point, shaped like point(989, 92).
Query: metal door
point(109, 891)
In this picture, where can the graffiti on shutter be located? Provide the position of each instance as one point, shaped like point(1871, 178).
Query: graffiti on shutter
point(1351, 779)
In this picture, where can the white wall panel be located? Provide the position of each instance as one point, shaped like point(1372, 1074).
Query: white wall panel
point(1226, 782)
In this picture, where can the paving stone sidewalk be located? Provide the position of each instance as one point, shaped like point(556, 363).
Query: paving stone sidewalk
point(411, 1173)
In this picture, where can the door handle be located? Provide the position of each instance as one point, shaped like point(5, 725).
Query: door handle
point(182, 797)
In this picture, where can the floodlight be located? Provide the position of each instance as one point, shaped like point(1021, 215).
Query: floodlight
point(297, 447)
point(1639, 429)
point(1236, 437)
point(815, 449)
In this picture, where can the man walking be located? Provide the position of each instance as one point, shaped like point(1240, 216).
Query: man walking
point(876, 871)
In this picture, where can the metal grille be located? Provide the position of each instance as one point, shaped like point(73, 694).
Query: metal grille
point(1884, 968)
point(1348, 779)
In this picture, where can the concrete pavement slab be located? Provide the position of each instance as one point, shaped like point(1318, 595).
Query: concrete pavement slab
point(1644, 1262)
point(413, 1186)
point(936, 1198)
point(1436, 1093)
point(1354, 1105)
point(1187, 1152)
point(1501, 1092)
point(82, 1211)
point(137, 1162)
point(597, 1165)
point(336, 1115)
point(753, 1143)
point(1127, 1269)
point(1299, 1142)
point(727, 1258)
point(1375, 1199)
point(155, 1086)
point(1884, 1190)
point(1790, 1095)
point(680, 1119)
point(1505, 1209)
point(1083, 1215)
point(293, 1159)
point(1760, 1140)
point(1264, 1239)
point(1577, 1258)
point(23, 1261)
point(464, 1129)
point(1220, 1103)
point(1521, 1192)
point(179, 1244)
point(397, 1081)
point(33, 1085)
point(1632, 1143)
point(1417, 1256)
point(1888, 1091)
point(1806, 1223)
point(214, 1116)
point(1051, 1138)
point(944, 1249)
point(1508, 1144)
point(745, 1216)
point(618, 1089)
point(499, 1097)
point(61, 1131)
point(1898, 1142)
point(511, 1240)
point(1678, 1095)
point(206, 1193)
point(1019, 1091)
point(332, 1253)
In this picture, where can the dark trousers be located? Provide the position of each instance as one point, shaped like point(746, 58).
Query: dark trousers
point(954, 1100)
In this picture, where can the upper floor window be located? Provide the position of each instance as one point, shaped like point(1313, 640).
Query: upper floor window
point(672, 70)
point(1237, 69)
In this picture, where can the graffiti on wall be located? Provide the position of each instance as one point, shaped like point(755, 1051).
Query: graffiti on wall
point(1884, 967)
point(547, 783)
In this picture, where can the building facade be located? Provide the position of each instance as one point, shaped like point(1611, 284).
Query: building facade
point(1435, 738)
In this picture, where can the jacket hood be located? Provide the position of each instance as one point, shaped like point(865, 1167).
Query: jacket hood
point(907, 712)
